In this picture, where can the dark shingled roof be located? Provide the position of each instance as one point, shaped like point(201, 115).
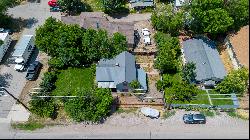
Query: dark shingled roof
point(97, 20)
point(107, 70)
point(204, 54)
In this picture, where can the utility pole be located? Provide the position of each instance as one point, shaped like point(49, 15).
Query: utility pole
point(3, 88)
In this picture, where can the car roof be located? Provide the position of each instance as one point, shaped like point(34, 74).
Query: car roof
point(198, 117)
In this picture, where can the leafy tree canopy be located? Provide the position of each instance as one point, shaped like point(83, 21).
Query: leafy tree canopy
point(188, 72)
point(92, 106)
point(167, 60)
point(5, 4)
point(210, 17)
point(70, 45)
point(239, 11)
point(73, 6)
point(234, 82)
point(166, 20)
point(111, 6)
point(134, 84)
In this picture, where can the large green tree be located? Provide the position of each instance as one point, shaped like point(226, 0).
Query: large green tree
point(45, 107)
point(166, 20)
point(234, 82)
point(188, 72)
point(4, 19)
point(111, 6)
point(92, 105)
point(181, 92)
point(167, 59)
point(4, 4)
point(239, 11)
point(72, 6)
point(176, 89)
point(70, 45)
point(209, 17)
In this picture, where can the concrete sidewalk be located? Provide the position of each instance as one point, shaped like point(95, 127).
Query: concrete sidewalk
point(17, 114)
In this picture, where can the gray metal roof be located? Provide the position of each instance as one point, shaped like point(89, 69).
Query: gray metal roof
point(141, 3)
point(119, 69)
point(204, 54)
point(21, 45)
point(142, 78)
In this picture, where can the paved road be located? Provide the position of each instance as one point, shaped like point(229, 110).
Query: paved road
point(172, 132)
point(134, 125)
point(35, 13)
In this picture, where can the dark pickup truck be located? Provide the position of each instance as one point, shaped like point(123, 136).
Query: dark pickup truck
point(33, 70)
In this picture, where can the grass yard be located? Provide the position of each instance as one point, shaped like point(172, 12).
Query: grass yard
point(199, 99)
point(95, 5)
point(220, 101)
point(28, 126)
point(74, 78)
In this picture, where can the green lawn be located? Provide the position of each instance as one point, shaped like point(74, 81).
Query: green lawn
point(95, 5)
point(73, 78)
point(28, 126)
point(220, 101)
point(199, 99)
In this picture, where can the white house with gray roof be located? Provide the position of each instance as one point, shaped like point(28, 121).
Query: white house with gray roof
point(118, 72)
point(209, 67)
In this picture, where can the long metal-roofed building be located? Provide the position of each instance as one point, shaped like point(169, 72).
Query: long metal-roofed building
point(209, 67)
point(22, 44)
point(118, 72)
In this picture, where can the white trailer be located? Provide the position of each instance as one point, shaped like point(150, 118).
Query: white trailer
point(5, 37)
point(23, 51)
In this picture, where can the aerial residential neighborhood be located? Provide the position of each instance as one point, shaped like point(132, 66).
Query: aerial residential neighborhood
point(124, 69)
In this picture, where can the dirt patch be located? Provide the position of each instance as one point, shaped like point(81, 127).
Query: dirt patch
point(226, 60)
point(240, 43)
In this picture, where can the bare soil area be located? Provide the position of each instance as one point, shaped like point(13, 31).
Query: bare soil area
point(240, 43)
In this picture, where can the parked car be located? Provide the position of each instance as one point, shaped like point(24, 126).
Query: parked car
point(33, 69)
point(145, 32)
point(55, 9)
point(194, 119)
point(150, 112)
point(52, 3)
point(146, 38)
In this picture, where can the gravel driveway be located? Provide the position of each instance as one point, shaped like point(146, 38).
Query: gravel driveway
point(13, 81)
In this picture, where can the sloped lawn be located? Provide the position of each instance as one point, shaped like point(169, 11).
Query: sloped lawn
point(220, 101)
point(73, 78)
point(199, 99)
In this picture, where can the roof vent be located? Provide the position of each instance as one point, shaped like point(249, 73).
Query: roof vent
point(117, 64)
